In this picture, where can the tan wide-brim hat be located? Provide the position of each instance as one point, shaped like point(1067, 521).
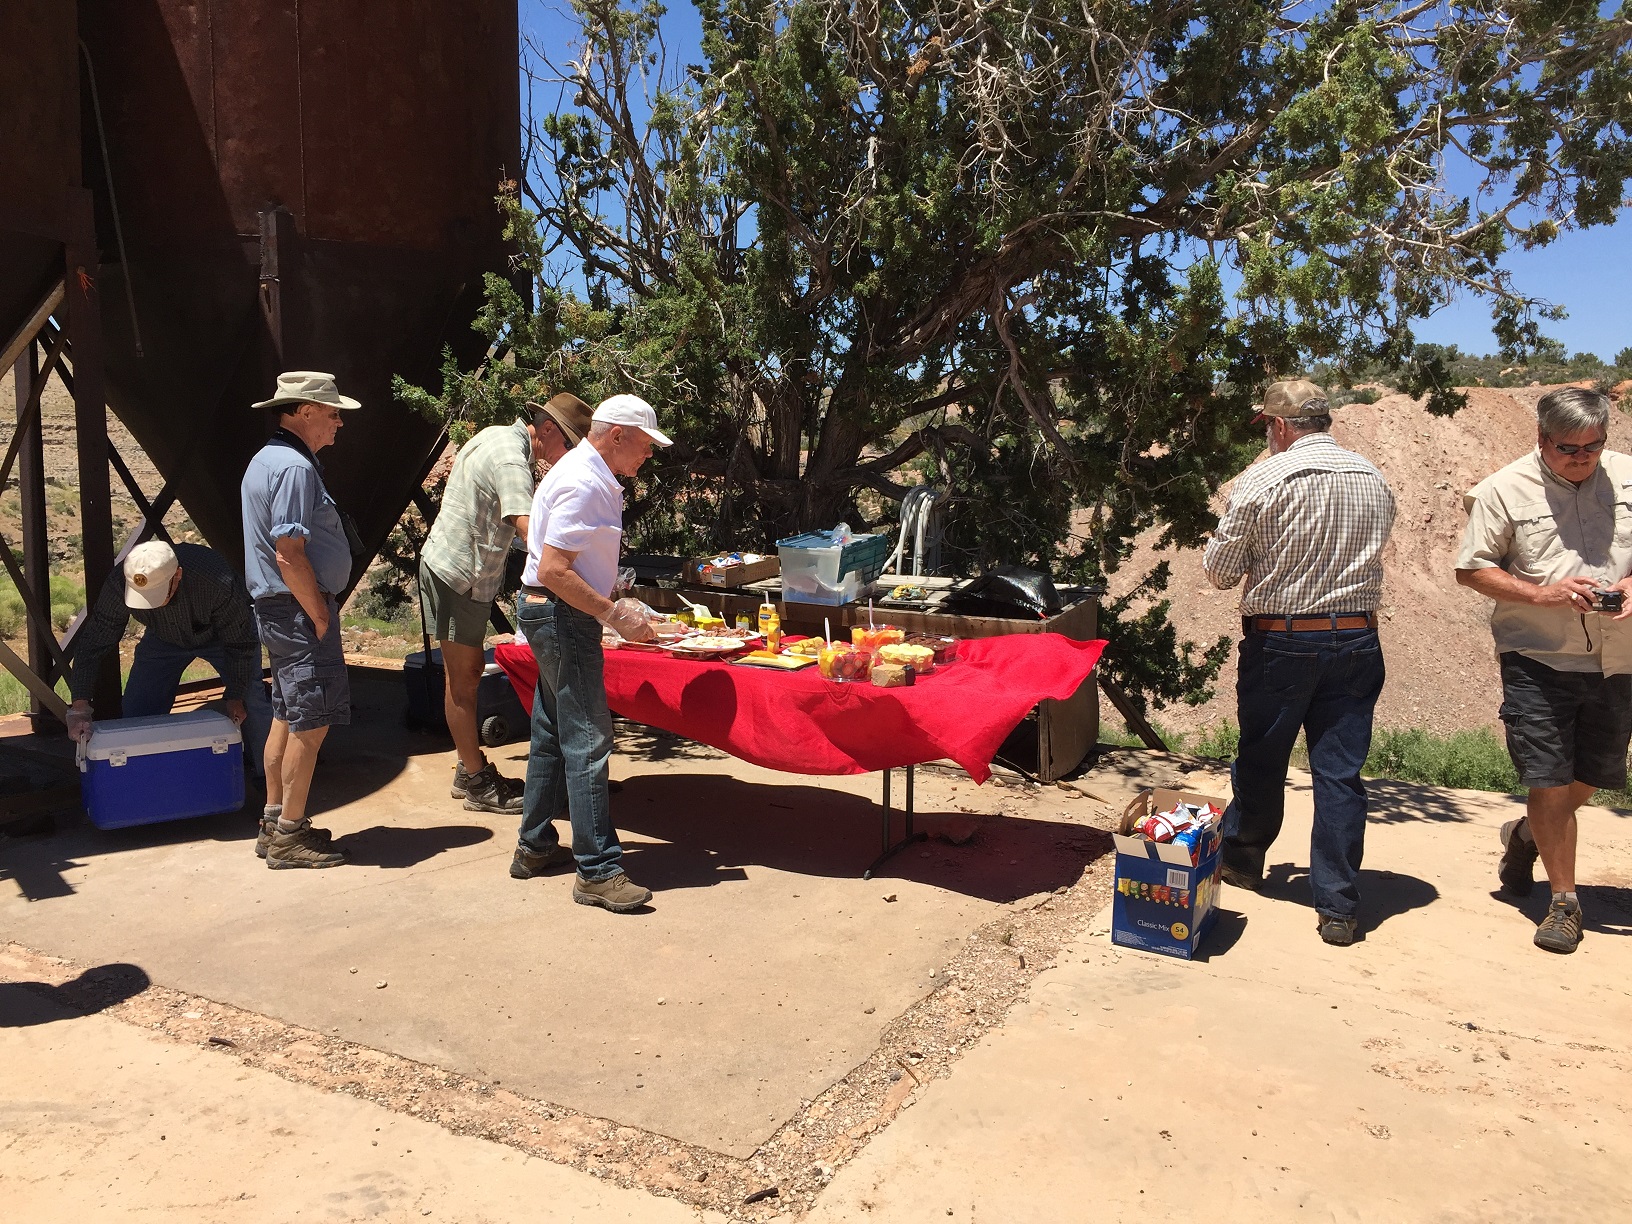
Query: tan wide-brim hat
point(307, 387)
point(569, 412)
point(1296, 398)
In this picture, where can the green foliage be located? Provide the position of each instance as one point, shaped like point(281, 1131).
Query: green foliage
point(1466, 760)
point(1042, 256)
point(67, 598)
point(1441, 367)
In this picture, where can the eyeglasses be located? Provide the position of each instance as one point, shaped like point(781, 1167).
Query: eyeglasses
point(1569, 448)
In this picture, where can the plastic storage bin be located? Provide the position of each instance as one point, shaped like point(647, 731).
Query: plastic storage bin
point(137, 771)
point(817, 570)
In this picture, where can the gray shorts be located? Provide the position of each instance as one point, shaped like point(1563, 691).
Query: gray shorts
point(452, 617)
point(309, 685)
point(1565, 727)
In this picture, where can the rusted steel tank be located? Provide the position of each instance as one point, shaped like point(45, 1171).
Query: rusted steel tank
point(39, 150)
point(301, 184)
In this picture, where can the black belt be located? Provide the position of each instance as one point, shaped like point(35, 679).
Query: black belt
point(1311, 622)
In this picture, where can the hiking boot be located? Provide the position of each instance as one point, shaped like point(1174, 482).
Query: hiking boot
point(526, 864)
point(487, 790)
point(301, 848)
point(617, 893)
point(1560, 931)
point(1237, 878)
point(269, 829)
point(1339, 932)
point(1518, 858)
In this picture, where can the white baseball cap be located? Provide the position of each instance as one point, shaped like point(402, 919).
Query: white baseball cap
point(148, 570)
point(632, 410)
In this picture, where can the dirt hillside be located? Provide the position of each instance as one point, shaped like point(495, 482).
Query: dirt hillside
point(1436, 639)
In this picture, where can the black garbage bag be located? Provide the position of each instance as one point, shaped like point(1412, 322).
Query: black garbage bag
point(1007, 590)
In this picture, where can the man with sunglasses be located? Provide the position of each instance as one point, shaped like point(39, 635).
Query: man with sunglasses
point(1546, 536)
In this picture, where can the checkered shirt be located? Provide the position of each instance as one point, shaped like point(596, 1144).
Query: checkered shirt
point(491, 484)
point(1306, 529)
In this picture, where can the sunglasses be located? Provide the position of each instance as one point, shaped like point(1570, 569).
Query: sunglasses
point(1567, 448)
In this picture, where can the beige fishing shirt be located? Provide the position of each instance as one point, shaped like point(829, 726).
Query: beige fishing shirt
point(1540, 528)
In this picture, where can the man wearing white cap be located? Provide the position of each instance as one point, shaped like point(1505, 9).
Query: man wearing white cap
point(296, 558)
point(574, 531)
point(191, 605)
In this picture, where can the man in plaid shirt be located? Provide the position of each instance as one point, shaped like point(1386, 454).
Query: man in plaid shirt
point(1306, 529)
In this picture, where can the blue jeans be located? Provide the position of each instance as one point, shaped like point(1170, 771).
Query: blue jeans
point(572, 738)
point(1327, 684)
point(155, 674)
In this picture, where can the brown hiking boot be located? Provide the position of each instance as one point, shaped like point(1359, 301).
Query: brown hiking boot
point(526, 864)
point(269, 829)
point(1517, 869)
point(301, 848)
point(617, 893)
point(487, 790)
point(1560, 931)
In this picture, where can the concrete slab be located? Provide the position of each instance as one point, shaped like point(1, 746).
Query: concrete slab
point(101, 1121)
point(1440, 1069)
point(764, 971)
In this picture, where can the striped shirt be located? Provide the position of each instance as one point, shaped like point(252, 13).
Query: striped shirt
point(1306, 529)
point(209, 609)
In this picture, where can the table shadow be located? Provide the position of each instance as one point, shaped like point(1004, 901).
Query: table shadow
point(707, 828)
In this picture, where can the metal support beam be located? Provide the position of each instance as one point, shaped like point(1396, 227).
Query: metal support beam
point(36, 320)
point(28, 444)
point(43, 693)
point(91, 425)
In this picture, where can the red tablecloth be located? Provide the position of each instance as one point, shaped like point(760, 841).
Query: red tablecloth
point(800, 723)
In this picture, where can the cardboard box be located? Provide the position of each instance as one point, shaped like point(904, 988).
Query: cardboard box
point(1163, 903)
point(137, 771)
point(732, 575)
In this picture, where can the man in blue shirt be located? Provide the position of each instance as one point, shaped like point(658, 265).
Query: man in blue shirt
point(296, 558)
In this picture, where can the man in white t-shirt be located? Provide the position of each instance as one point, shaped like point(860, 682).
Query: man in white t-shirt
point(574, 531)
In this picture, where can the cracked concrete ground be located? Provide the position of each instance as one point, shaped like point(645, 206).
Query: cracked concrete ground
point(1441, 1069)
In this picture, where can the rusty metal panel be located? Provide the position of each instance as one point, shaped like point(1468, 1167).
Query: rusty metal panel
point(383, 136)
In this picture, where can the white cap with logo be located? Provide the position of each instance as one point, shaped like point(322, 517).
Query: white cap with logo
point(148, 570)
point(632, 410)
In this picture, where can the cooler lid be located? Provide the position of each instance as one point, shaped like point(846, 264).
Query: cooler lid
point(129, 737)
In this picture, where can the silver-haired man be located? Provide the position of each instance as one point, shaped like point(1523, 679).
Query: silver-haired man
point(1549, 538)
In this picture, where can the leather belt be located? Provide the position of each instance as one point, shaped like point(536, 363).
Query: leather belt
point(1313, 623)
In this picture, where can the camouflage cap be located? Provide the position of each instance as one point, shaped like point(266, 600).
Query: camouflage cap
point(1297, 398)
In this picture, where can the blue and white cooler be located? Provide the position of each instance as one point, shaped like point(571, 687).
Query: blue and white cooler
point(137, 771)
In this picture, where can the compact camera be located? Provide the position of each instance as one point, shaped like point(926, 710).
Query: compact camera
point(1608, 601)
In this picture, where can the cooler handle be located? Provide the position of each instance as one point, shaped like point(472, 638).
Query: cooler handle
point(218, 747)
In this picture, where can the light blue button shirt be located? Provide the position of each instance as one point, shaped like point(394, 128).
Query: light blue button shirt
point(283, 495)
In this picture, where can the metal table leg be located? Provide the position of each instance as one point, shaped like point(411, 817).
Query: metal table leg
point(910, 837)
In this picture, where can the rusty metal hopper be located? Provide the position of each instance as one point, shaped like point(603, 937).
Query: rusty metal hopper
point(300, 186)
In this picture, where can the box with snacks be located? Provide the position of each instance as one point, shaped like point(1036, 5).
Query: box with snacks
point(1167, 856)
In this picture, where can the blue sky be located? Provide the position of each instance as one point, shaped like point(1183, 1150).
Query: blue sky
point(1582, 271)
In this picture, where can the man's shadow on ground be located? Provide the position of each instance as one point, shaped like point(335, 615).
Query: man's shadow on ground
point(1383, 894)
point(25, 1004)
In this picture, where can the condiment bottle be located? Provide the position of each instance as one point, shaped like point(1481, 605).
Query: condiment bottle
point(770, 624)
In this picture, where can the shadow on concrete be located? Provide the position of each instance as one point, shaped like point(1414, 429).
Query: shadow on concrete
point(1226, 933)
point(389, 846)
point(1383, 894)
point(1394, 802)
point(1606, 909)
point(707, 828)
point(25, 1004)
